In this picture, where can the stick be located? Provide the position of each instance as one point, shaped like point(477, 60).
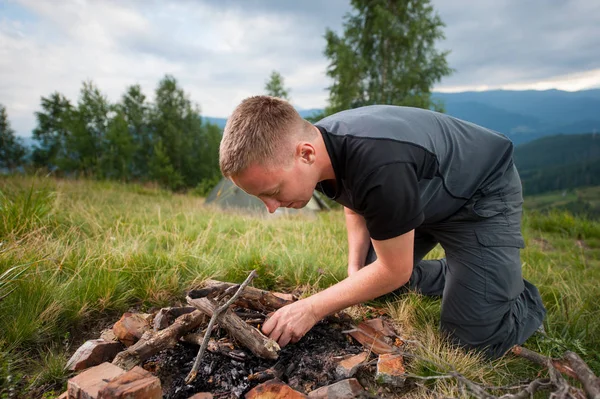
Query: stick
point(530, 390)
point(590, 382)
point(543, 360)
point(194, 372)
point(152, 343)
point(251, 298)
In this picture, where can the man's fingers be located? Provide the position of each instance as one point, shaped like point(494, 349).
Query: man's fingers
point(284, 339)
point(269, 325)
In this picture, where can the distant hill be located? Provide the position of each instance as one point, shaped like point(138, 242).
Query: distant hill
point(522, 116)
point(527, 115)
point(559, 162)
point(216, 121)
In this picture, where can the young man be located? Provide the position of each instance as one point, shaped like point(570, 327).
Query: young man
point(409, 179)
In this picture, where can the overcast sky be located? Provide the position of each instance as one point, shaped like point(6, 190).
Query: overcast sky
point(222, 51)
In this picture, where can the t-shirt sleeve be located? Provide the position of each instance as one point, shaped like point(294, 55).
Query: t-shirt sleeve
point(389, 201)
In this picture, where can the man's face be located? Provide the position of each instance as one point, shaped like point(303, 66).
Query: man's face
point(291, 186)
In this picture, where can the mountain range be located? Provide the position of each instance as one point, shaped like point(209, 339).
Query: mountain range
point(523, 116)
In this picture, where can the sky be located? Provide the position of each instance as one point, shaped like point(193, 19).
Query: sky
point(222, 51)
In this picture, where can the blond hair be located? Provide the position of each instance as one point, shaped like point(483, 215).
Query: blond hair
point(260, 130)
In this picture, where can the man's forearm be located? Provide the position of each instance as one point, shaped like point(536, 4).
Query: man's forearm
point(366, 284)
point(358, 239)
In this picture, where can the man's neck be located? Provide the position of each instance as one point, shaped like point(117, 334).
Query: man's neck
point(323, 159)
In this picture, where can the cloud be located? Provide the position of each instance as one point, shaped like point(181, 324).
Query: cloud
point(499, 43)
point(222, 51)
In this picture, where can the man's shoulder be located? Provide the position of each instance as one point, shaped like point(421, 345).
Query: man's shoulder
point(378, 110)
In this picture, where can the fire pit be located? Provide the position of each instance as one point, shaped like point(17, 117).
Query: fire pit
point(239, 361)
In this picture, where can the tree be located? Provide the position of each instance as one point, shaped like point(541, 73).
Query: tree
point(52, 131)
point(386, 55)
point(89, 129)
point(117, 156)
point(12, 150)
point(275, 86)
point(136, 112)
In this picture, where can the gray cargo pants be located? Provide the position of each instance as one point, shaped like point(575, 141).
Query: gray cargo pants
point(486, 304)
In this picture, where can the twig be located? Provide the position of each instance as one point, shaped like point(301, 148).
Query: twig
point(529, 390)
point(590, 382)
point(543, 360)
point(194, 372)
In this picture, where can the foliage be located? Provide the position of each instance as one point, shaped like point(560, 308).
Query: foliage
point(12, 150)
point(386, 55)
point(165, 142)
point(275, 86)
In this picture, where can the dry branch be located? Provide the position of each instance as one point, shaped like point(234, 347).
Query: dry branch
point(250, 337)
point(237, 328)
point(250, 298)
point(152, 343)
point(591, 383)
point(543, 360)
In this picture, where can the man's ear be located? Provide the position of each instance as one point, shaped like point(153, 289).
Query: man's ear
point(306, 152)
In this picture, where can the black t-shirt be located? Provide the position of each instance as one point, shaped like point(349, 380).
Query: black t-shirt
point(402, 167)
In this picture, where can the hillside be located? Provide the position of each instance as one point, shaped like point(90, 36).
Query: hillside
point(88, 251)
point(582, 202)
point(559, 162)
point(527, 115)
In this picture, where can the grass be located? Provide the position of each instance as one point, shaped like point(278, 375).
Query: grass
point(75, 252)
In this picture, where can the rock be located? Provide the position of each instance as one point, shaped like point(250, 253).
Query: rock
point(87, 384)
point(382, 326)
point(92, 353)
point(348, 366)
point(202, 395)
point(371, 339)
point(137, 383)
point(108, 335)
point(161, 320)
point(273, 389)
point(390, 370)
point(349, 388)
point(130, 328)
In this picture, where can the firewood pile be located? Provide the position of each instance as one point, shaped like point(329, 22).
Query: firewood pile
point(213, 348)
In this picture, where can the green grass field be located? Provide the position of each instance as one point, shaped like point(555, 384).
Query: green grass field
point(75, 253)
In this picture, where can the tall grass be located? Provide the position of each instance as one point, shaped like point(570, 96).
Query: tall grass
point(74, 252)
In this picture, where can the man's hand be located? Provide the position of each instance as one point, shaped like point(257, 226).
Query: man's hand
point(290, 323)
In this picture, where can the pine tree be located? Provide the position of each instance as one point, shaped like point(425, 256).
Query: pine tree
point(117, 157)
point(12, 150)
point(52, 131)
point(136, 112)
point(386, 55)
point(275, 86)
point(89, 129)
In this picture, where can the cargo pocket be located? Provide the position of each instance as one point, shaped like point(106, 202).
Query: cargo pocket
point(500, 253)
point(489, 206)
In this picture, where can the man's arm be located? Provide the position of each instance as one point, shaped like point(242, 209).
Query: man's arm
point(391, 270)
point(358, 240)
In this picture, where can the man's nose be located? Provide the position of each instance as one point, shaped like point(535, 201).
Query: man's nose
point(271, 204)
